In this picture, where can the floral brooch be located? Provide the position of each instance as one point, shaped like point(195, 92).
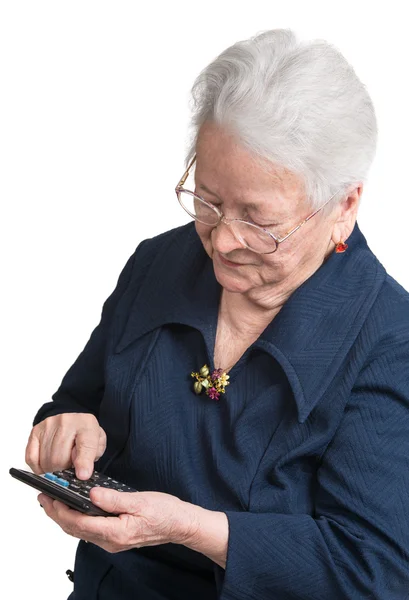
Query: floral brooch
point(214, 383)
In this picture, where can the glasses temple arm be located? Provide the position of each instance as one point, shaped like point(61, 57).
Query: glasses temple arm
point(186, 173)
point(279, 240)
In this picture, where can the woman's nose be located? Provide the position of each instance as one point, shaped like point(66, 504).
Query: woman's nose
point(223, 239)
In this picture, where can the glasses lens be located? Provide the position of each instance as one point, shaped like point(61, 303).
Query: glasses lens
point(255, 238)
point(197, 209)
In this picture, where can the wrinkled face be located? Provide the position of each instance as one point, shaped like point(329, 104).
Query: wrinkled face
point(227, 176)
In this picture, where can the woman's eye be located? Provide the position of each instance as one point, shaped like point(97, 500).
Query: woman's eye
point(208, 200)
point(256, 222)
point(262, 225)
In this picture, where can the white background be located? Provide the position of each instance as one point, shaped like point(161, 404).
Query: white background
point(93, 116)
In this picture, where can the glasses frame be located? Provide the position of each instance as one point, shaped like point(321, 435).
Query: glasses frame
point(278, 240)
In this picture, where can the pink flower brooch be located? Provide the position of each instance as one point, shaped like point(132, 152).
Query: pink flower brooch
point(214, 383)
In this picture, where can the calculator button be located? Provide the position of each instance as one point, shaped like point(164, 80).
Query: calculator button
point(75, 487)
point(62, 482)
point(50, 476)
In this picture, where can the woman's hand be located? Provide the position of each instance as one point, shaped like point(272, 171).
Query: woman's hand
point(64, 440)
point(145, 519)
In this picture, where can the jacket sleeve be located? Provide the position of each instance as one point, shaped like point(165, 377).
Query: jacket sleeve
point(356, 545)
point(82, 387)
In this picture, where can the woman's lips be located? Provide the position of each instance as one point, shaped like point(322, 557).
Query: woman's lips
point(229, 263)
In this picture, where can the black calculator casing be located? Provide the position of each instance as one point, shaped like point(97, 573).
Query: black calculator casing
point(57, 492)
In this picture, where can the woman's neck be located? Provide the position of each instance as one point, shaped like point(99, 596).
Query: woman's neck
point(244, 316)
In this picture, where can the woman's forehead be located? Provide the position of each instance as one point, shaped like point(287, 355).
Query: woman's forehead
point(211, 176)
point(249, 184)
point(240, 169)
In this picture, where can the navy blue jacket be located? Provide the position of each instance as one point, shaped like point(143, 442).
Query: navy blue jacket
point(307, 453)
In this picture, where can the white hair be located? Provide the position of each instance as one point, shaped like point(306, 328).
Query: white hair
point(299, 105)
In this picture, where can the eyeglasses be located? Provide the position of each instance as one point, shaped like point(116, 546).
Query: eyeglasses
point(254, 237)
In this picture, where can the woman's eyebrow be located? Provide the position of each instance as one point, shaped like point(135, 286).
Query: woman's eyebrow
point(206, 189)
point(247, 204)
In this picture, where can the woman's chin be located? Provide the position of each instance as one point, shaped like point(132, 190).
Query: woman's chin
point(232, 282)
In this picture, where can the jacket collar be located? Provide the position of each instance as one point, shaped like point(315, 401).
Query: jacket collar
point(310, 336)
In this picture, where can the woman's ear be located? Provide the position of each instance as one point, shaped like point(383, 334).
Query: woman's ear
point(346, 213)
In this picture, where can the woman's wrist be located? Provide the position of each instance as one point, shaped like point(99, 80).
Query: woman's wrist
point(205, 531)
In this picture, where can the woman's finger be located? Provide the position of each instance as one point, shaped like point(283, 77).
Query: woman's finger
point(102, 443)
point(86, 450)
point(32, 456)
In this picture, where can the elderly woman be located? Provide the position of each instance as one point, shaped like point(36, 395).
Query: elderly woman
point(249, 375)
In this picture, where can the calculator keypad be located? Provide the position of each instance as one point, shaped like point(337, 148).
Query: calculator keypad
point(67, 479)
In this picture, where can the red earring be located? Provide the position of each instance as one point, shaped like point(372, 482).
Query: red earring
point(341, 247)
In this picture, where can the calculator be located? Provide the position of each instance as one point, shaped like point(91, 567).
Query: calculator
point(64, 486)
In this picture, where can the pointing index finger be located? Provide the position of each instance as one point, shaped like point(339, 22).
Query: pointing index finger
point(86, 447)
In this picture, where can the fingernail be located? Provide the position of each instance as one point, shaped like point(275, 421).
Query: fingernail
point(95, 498)
point(83, 474)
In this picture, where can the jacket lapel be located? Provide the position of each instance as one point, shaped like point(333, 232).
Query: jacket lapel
point(180, 287)
point(316, 328)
